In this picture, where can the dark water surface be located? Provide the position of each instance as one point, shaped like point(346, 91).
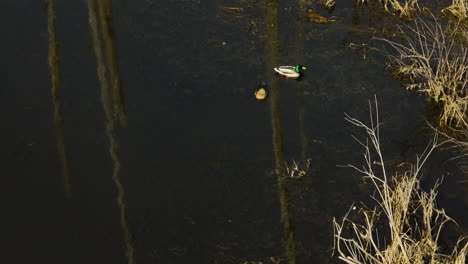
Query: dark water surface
point(189, 178)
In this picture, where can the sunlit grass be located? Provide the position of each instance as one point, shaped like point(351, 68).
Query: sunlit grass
point(312, 16)
point(233, 11)
point(433, 59)
point(329, 4)
point(458, 9)
point(296, 170)
point(405, 224)
point(401, 8)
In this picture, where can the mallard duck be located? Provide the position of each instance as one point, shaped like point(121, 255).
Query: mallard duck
point(261, 93)
point(290, 71)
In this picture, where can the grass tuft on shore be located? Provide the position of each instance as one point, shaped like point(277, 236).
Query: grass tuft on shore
point(405, 224)
point(433, 59)
point(458, 9)
point(401, 8)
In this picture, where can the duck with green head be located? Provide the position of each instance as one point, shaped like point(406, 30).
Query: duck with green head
point(290, 71)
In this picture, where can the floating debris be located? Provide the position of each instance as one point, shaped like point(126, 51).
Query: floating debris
point(330, 5)
point(312, 16)
point(234, 11)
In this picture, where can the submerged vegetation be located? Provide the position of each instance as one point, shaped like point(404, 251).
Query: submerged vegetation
point(405, 225)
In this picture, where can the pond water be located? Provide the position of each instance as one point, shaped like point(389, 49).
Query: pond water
point(190, 177)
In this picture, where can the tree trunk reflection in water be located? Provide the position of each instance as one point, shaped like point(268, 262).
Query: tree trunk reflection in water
point(271, 61)
point(108, 106)
point(300, 86)
point(105, 15)
point(53, 61)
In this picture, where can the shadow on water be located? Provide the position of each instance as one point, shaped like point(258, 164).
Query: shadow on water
point(53, 61)
point(99, 11)
point(271, 50)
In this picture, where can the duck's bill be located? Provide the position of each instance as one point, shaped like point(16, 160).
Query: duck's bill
point(304, 68)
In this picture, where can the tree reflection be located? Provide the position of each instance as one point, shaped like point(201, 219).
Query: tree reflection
point(54, 66)
point(99, 11)
point(271, 50)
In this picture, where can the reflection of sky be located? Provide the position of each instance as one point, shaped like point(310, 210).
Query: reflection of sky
point(197, 150)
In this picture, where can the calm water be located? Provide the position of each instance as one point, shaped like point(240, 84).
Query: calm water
point(190, 178)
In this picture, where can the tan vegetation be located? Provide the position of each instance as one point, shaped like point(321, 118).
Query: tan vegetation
point(296, 170)
point(272, 260)
point(312, 16)
point(408, 8)
point(458, 9)
point(405, 225)
point(433, 59)
point(329, 4)
point(401, 8)
point(233, 11)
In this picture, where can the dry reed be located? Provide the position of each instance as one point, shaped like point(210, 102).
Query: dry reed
point(401, 8)
point(458, 9)
point(405, 225)
point(433, 59)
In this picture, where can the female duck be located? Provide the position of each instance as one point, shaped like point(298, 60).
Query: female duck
point(261, 92)
point(290, 71)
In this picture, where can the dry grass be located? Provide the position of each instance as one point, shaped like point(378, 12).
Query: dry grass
point(297, 170)
point(271, 260)
point(401, 8)
point(433, 59)
point(329, 4)
point(458, 9)
point(404, 9)
point(234, 11)
point(312, 16)
point(405, 225)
